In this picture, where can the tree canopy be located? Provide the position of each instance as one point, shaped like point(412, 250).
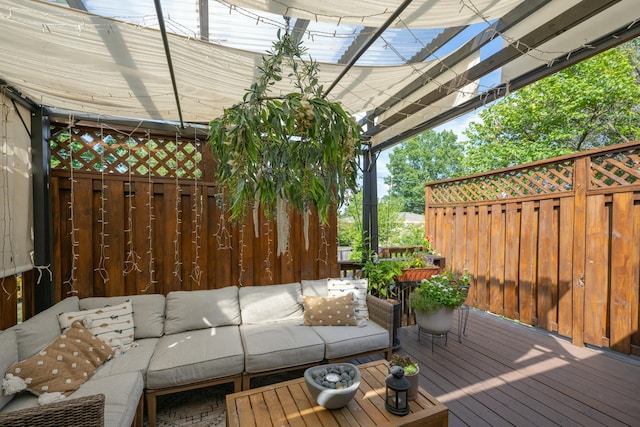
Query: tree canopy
point(430, 156)
point(591, 104)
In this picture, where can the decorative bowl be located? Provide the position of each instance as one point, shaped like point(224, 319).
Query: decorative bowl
point(333, 385)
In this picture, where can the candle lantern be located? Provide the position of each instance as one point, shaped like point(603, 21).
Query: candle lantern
point(396, 400)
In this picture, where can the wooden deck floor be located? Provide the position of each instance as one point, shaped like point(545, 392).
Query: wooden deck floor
point(507, 374)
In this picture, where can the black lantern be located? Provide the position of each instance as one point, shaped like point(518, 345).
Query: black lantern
point(397, 387)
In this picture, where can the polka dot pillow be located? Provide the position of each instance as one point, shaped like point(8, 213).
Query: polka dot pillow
point(62, 367)
point(329, 311)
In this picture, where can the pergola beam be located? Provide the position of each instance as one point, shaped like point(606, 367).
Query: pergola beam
point(470, 47)
point(363, 48)
point(609, 41)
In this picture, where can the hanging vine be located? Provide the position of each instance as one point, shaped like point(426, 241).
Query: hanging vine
point(297, 150)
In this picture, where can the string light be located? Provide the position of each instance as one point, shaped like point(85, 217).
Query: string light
point(178, 196)
point(152, 263)
point(74, 241)
point(104, 274)
point(196, 271)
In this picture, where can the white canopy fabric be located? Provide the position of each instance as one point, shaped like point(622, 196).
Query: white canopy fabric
point(74, 60)
point(374, 13)
point(15, 189)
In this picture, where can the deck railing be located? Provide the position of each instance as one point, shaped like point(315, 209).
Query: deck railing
point(554, 244)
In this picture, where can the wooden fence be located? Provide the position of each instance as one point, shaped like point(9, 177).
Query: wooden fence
point(554, 244)
point(140, 213)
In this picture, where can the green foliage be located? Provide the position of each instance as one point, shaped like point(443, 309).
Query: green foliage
point(299, 148)
point(390, 227)
point(409, 365)
point(382, 277)
point(591, 104)
point(430, 156)
point(416, 259)
point(446, 289)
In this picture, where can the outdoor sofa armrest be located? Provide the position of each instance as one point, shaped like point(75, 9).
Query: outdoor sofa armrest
point(381, 312)
point(84, 411)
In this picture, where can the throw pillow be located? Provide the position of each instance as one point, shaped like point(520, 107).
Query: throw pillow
point(359, 289)
point(329, 311)
point(61, 367)
point(112, 324)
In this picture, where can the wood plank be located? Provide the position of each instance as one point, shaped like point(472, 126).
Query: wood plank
point(511, 262)
point(111, 271)
point(84, 219)
point(623, 281)
point(565, 267)
point(580, 185)
point(260, 411)
point(471, 258)
point(482, 272)
point(596, 280)
point(497, 260)
point(527, 277)
point(8, 302)
point(459, 239)
point(635, 271)
point(289, 406)
point(547, 266)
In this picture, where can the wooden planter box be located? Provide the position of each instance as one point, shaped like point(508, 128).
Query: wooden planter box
point(417, 274)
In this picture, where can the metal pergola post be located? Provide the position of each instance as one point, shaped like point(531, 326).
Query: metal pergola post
point(369, 205)
point(42, 215)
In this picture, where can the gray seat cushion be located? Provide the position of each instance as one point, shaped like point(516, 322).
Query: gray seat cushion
point(136, 359)
point(280, 345)
point(273, 303)
point(342, 341)
point(122, 394)
point(8, 356)
point(194, 356)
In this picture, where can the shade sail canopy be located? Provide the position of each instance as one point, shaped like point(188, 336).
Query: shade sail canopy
point(433, 60)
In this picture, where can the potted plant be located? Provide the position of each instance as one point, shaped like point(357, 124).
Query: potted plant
point(279, 152)
point(417, 266)
point(381, 276)
point(435, 299)
point(411, 371)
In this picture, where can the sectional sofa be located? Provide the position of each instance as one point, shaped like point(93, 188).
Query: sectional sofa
point(192, 339)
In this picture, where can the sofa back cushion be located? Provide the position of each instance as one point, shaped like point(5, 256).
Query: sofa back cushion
point(271, 303)
point(315, 288)
point(42, 329)
point(189, 310)
point(8, 356)
point(148, 312)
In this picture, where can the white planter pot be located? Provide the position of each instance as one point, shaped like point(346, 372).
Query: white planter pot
point(438, 322)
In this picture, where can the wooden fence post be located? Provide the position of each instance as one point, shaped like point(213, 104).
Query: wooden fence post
point(579, 248)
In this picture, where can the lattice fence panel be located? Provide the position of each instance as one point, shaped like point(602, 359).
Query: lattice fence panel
point(616, 169)
point(111, 152)
point(533, 181)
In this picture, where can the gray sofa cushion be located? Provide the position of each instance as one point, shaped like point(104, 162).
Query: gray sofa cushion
point(190, 310)
point(315, 288)
point(342, 341)
point(148, 312)
point(273, 303)
point(122, 394)
point(193, 356)
point(42, 329)
point(136, 359)
point(280, 345)
point(8, 356)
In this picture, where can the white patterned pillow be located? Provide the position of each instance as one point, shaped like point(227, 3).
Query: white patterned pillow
point(112, 324)
point(359, 289)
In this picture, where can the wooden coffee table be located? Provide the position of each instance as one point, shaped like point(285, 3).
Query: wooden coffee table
point(290, 404)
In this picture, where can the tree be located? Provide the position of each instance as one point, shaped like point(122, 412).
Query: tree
point(430, 156)
point(591, 104)
point(350, 225)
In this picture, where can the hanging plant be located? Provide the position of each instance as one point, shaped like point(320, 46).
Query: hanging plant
point(277, 152)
